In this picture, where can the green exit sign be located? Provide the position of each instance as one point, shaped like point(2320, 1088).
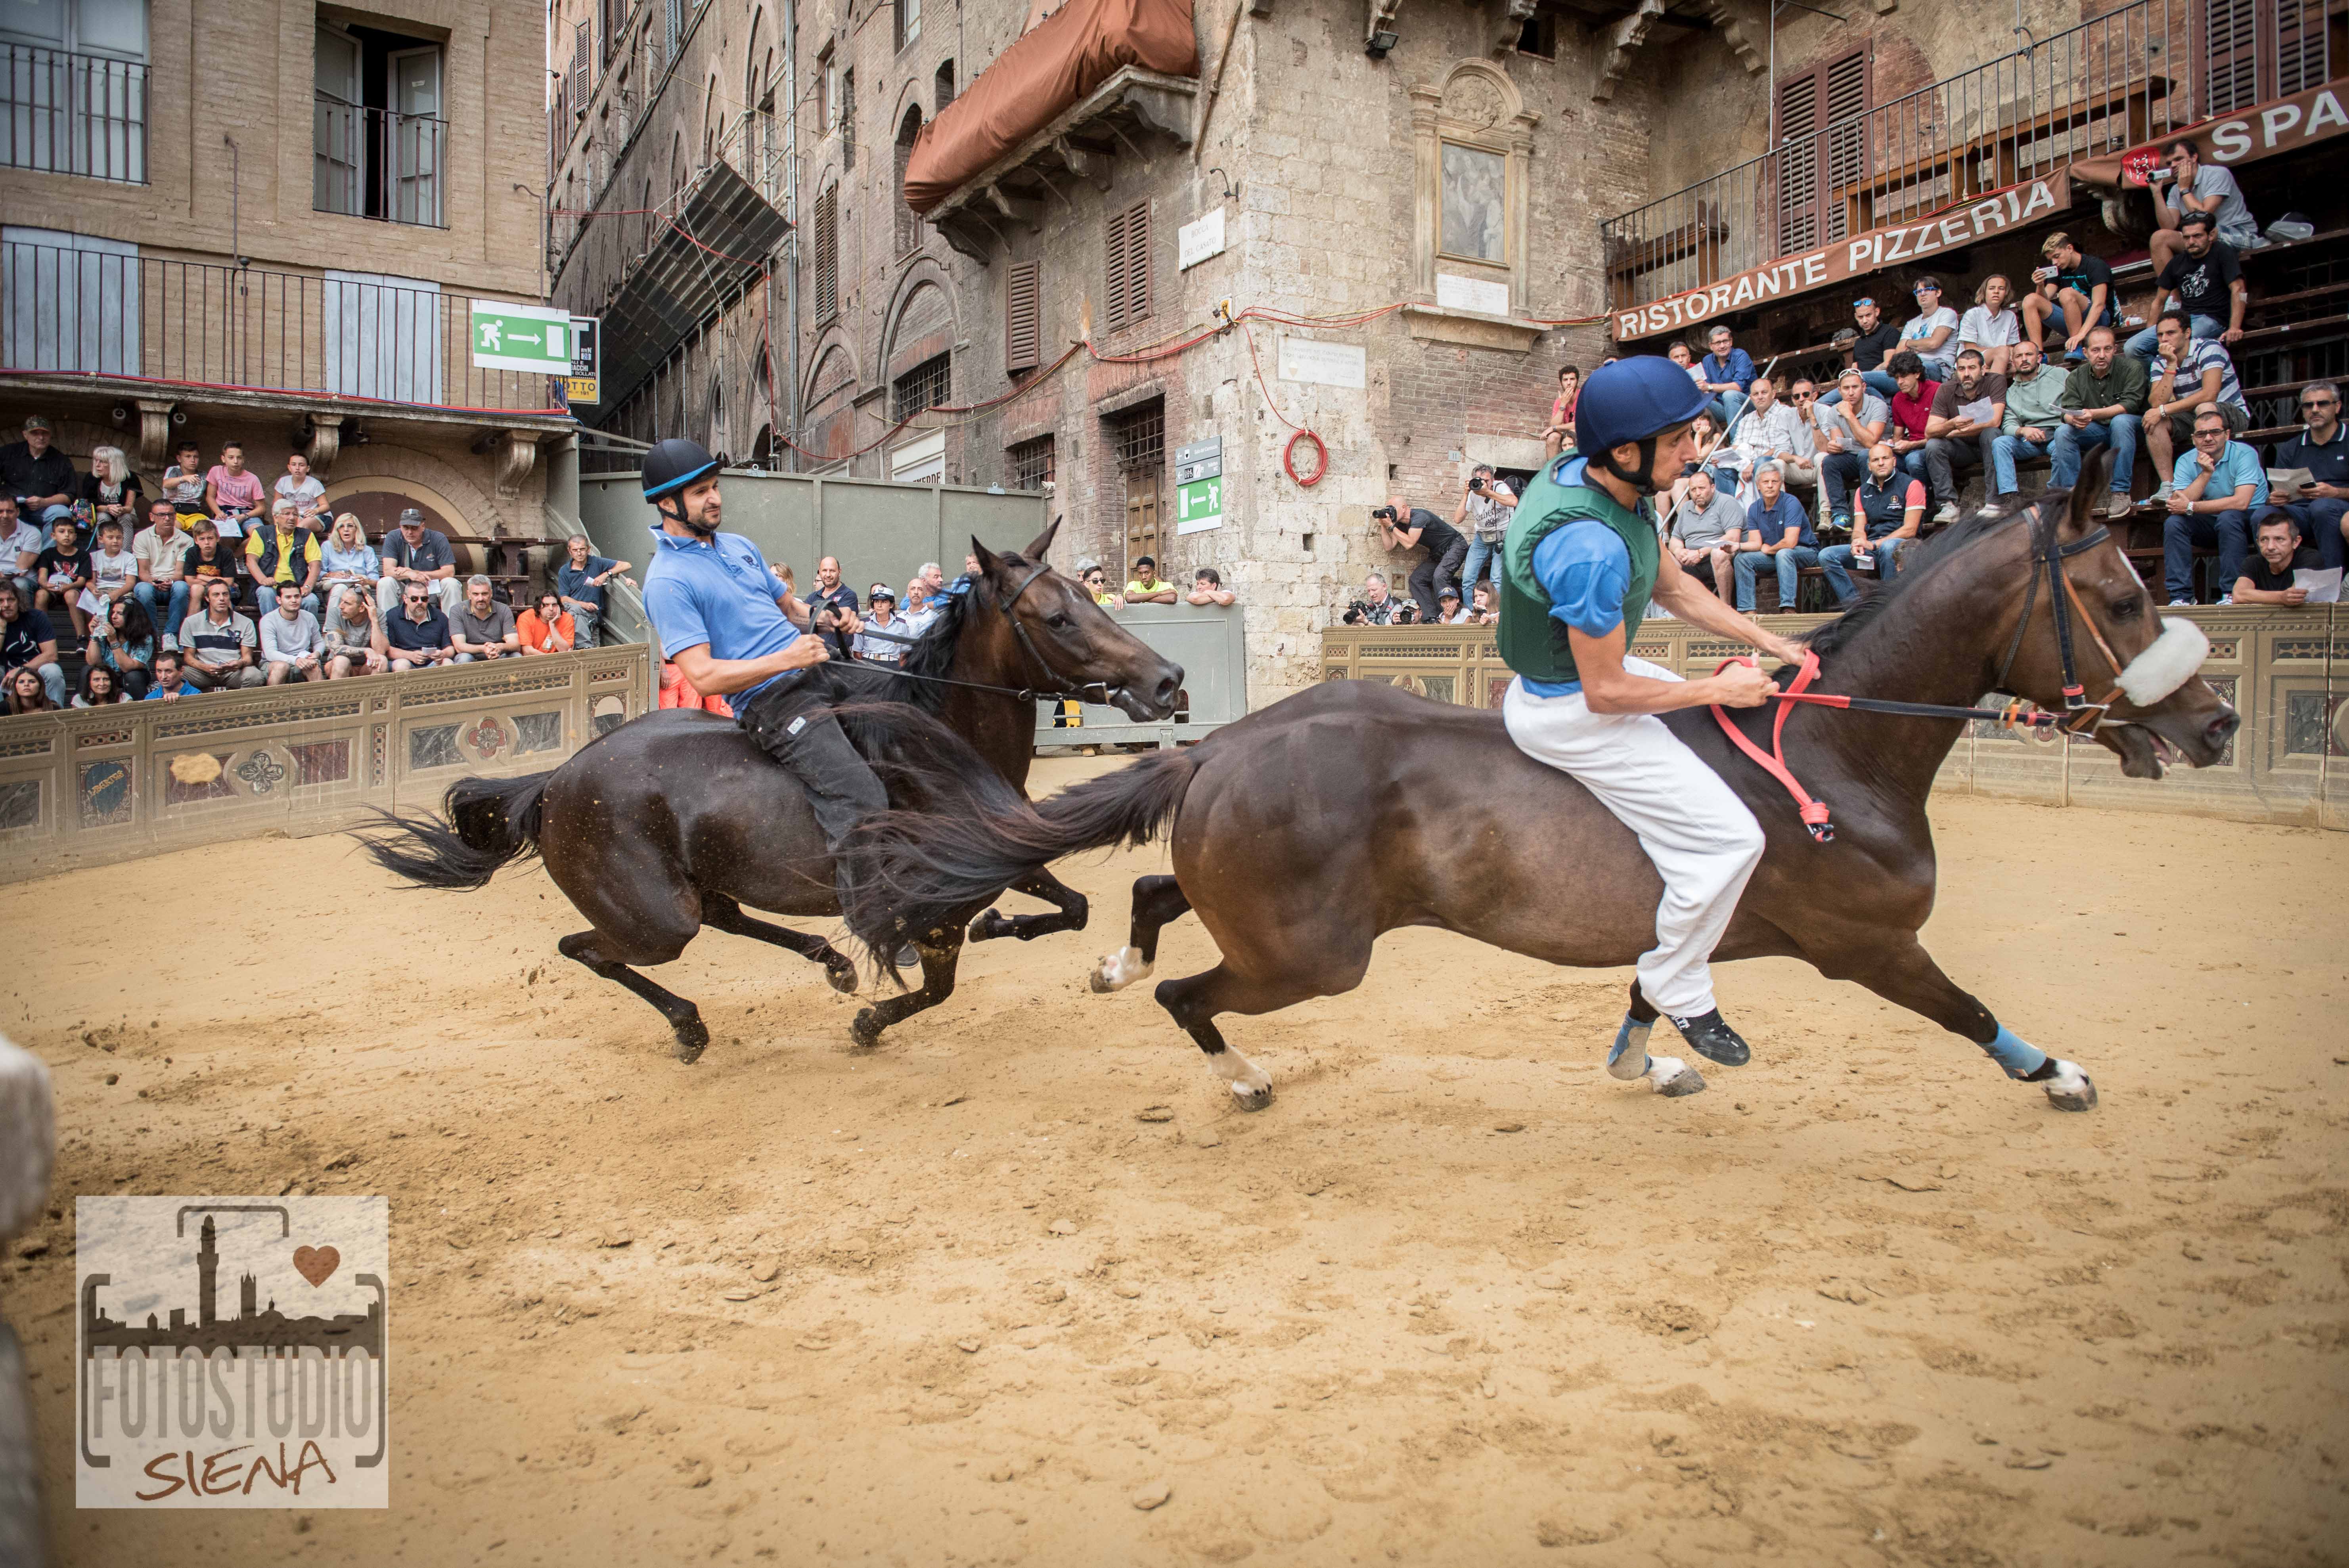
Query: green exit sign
point(521, 337)
point(1199, 506)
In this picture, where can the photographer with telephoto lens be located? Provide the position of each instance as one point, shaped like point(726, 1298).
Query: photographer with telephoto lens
point(1403, 526)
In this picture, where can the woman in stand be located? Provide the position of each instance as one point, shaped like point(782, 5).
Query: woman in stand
point(26, 693)
point(111, 491)
point(1992, 327)
point(125, 644)
point(346, 560)
point(98, 687)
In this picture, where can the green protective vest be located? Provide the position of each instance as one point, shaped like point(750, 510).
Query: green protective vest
point(1531, 642)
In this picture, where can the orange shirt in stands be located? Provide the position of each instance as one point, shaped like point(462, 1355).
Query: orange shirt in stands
point(538, 635)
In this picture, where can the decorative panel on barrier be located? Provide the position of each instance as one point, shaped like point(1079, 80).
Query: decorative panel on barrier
point(2286, 671)
point(97, 785)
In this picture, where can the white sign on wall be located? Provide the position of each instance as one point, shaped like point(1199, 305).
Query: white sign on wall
point(1197, 240)
point(1482, 296)
point(1325, 364)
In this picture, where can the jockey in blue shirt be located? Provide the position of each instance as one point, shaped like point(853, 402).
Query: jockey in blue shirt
point(1580, 565)
point(734, 630)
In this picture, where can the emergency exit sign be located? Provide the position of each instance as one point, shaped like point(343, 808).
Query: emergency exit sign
point(1199, 506)
point(521, 337)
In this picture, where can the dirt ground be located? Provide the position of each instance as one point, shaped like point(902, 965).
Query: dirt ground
point(980, 1294)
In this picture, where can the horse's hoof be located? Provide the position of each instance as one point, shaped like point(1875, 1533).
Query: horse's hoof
point(867, 1030)
point(1120, 969)
point(1673, 1079)
point(1252, 1097)
point(692, 1040)
point(910, 956)
point(841, 977)
point(2072, 1090)
point(989, 926)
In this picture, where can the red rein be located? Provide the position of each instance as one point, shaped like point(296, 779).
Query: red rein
point(1774, 761)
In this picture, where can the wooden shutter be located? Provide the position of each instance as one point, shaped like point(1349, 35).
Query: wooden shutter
point(580, 45)
point(827, 253)
point(1023, 328)
point(848, 119)
point(1846, 83)
point(2230, 45)
point(2301, 62)
point(1798, 163)
point(1128, 254)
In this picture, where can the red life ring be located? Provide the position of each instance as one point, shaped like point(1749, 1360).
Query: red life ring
point(1320, 459)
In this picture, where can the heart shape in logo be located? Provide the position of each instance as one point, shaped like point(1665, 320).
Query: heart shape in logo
point(317, 1264)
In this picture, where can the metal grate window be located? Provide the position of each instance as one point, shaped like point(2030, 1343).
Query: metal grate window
point(1031, 464)
point(922, 387)
point(1138, 437)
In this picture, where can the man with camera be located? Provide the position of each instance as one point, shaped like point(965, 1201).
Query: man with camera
point(1376, 607)
point(1403, 526)
point(1483, 511)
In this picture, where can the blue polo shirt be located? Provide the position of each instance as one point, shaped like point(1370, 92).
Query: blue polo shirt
point(1772, 522)
point(721, 593)
point(2238, 465)
point(1737, 367)
point(2327, 463)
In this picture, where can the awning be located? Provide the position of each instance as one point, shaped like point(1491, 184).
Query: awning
point(2284, 125)
point(1806, 271)
point(717, 248)
point(1057, 63)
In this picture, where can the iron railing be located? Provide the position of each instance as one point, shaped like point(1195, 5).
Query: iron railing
point(2137, 72)
point(197, 324)
point(376, 163)
point(66, 113)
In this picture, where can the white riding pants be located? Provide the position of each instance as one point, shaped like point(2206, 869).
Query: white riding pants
point(1702, 840)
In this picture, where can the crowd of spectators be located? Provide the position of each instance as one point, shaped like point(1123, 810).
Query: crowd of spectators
point(217, 580)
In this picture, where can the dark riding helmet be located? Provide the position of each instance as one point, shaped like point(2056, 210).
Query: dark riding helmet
point(673, 464)
point(1634, 400)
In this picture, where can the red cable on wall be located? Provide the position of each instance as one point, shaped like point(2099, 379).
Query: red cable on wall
point(1320, 459)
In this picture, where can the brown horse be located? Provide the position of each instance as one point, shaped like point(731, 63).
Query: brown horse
point(677, 819)
point(1302, 832)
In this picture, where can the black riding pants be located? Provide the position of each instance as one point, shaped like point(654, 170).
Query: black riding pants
point(1434, 574)
point(784, 719)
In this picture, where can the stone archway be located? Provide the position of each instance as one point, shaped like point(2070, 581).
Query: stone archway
point(376, 500)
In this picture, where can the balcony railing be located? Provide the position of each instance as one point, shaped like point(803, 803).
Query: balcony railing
point(195, 324)
point(64, 113)
point(375, 163)
point(2133, 74)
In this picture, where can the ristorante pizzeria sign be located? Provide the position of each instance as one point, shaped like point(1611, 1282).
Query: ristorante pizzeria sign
point(1863, 253)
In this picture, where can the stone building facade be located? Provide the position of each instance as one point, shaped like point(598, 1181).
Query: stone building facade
point(1425, 184)
point(197, 248)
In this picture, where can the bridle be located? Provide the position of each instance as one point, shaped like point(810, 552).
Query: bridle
point(1064, 688)
point(2080, 715)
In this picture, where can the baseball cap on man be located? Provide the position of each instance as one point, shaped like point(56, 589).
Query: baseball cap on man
point(410, 518)
point(36, 422)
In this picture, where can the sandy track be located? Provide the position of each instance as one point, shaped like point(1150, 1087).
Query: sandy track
point(952, 1302)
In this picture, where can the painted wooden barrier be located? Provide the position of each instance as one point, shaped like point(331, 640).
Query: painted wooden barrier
point(99, 785)
point(2286, 671)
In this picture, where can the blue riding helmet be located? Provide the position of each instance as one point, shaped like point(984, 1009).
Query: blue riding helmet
point(675, 464)
point(1634, 400)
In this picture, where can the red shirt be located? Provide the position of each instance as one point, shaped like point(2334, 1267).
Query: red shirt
point(1909, 414)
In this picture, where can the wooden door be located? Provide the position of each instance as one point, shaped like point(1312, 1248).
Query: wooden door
point(1141, 516)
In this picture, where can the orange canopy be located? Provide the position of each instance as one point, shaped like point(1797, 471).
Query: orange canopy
point(1059, 61)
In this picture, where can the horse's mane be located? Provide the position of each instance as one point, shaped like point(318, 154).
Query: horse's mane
point(933, 655)
point(1839, 634)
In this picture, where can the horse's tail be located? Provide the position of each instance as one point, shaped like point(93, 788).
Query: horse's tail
point(492, 823)
point(919, 871)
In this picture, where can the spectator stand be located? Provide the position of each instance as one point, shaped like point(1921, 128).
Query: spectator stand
point(94, 786)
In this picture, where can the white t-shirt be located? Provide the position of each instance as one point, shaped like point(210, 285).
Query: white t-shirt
point(1923, 326)
point(305, 494)
point(109, 572)
point(1985, 330)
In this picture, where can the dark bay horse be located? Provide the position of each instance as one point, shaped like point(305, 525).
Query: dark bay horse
point(1302, 832)
point(676, 820)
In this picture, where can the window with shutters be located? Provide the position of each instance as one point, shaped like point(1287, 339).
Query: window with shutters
point(1031, 464)
point(827, 254)
point(924, 386)
point(2230, 44)
point(2302, 59)
point(615, 23)
point(1023, 325)
point(909, 222)
point(1822, 151)
point(827, 91)
point(1127, 296)
point(582, 43)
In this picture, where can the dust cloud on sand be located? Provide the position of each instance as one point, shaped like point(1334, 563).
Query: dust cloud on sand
point(1018, 1286)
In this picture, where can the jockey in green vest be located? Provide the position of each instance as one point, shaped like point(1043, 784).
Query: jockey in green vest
point(1580, 567)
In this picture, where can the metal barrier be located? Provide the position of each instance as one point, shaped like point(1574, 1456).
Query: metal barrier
point(2286, 671)
point(93, 786)
point(1207, 641)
